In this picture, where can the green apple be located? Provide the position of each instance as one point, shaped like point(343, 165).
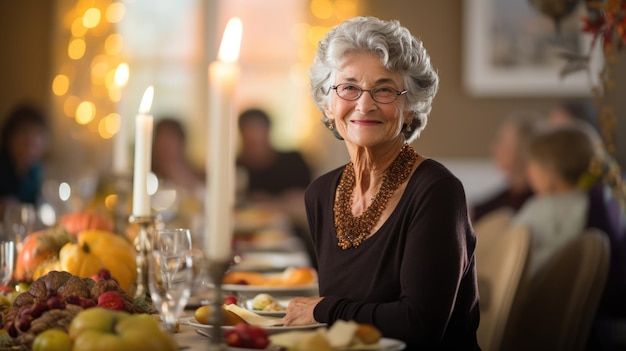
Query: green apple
point(98, 329)
point(52, 340)
point(95, 318)
point(142, 332)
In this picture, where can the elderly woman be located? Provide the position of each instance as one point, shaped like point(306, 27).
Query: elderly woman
point(394, 244)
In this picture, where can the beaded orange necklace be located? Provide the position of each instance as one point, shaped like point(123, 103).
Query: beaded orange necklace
point(351, 231)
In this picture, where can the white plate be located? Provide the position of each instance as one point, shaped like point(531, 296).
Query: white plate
point(387, 344)
point(269, 330)
point(303, 290)
point(283, 302)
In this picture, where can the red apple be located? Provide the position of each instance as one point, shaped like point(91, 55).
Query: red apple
point(111, 300)
point(230, 299)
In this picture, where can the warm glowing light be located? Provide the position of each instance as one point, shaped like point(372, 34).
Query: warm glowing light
point(322, 9)
point(102, 129)
point(146, 101)
point(115, 94)
point(316, 33)
point(60, 85)
point(99, 69)
point(109, 80)
point(47, 214)
point(110, 201)
point(76, 49)
point(78, 30)
point(70, 105)
point(65, 191)
point(92, 17)
point(112, 123)
point(113, 44)
point(115, 12)
point(231, 41)
point(85, 112)
point(122, 72)
point(345, 9)
point(152, 183)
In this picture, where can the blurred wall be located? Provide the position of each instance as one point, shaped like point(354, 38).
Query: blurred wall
point(25, 33)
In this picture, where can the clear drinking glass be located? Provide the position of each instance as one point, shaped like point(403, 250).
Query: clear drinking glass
point(171, 273)
point(19, 221)
point(7, 261)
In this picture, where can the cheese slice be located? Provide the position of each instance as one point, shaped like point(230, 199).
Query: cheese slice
point(341, 333)
point(253, 318)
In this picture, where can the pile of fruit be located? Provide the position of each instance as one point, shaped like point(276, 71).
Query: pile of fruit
point(52, 302)
point(74, 284)
point(81, 244)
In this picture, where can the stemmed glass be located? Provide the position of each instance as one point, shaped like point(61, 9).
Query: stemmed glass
point(19, 221)
point(171, 273)
point(7, 261)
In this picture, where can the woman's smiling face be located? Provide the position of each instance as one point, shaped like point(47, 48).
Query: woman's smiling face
point(365, 122)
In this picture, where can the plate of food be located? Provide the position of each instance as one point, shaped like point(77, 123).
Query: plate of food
point(342, 335)
point(266, 305)
point(292, 281)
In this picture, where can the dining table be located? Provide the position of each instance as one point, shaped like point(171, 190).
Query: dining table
point(188, 339)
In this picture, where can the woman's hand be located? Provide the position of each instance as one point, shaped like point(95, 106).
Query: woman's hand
point(300, 311)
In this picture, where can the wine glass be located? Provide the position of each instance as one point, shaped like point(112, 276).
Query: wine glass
point(19, 221)
point(7, 261)
point(171, 273)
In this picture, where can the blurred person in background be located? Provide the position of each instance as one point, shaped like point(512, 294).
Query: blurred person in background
point(558, 159)
point(169, 157)
point(270, 173)
point(23, 144)
point(570, 173)
point(605, 212)
point(508, 154)
point(272, 177)
point(179, 200)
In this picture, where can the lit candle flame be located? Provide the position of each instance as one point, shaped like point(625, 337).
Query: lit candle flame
point(146, 100)
point(121, 74)
point(231, 41)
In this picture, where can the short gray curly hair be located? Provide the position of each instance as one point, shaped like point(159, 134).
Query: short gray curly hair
point(399, 51)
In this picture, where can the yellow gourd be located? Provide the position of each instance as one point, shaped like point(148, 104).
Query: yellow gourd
point(98, 249)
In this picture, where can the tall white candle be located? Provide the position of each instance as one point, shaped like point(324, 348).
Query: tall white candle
point(143, 155)
point(120, 140)
point(220, 198)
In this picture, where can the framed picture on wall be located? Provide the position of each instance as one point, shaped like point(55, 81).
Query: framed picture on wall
point(512, 49)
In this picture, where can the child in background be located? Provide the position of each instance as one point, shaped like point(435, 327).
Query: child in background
point(558, 164)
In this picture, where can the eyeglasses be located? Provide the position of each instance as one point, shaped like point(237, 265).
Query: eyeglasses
point(382, 95)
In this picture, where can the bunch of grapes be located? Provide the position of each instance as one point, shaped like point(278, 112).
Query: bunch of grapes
point(246, 335)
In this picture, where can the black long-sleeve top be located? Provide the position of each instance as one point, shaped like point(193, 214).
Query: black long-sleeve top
point(415, 278)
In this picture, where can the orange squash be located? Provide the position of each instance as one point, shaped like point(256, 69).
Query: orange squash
point(98, 249)
point(76, 222)
point(38, 248)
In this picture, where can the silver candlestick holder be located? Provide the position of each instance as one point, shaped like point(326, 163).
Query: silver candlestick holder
point(216, 270)
point(143, 245)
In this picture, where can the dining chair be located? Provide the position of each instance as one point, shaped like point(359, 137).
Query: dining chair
point(501, 260)
point(493, 224)
point(560, 301)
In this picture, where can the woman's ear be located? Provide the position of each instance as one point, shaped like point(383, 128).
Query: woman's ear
point(408, 117)
point(328, 112)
